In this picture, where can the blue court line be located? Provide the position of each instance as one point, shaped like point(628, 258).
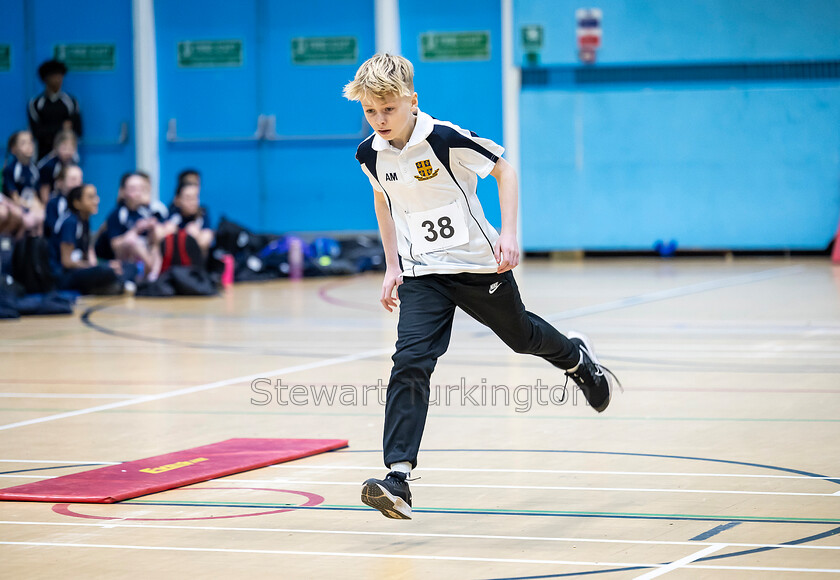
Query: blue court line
point(832, 532)
point(813, 538)
point(87, 321)
point(53, 467)
point(667, 294)
point(714, 531)
point(627, 454)
point(519, 513)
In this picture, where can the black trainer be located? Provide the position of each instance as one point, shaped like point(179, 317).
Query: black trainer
point(590, 375)
point(391, 495)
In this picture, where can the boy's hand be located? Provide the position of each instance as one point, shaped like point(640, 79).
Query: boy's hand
point(506, 251)
point(390, 295)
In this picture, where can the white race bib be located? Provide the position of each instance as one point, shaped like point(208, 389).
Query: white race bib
point(437, 229)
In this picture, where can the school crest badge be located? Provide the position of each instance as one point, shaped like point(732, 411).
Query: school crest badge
point(425, 171)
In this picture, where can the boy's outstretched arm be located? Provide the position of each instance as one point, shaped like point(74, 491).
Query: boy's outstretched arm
point(388, 233)
point(506, 248)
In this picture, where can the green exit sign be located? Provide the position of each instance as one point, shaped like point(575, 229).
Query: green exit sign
point(532, 37)
point(86, 57)
point(450, 46)
point(209, 53)
point(5, 57)
point(325, 50)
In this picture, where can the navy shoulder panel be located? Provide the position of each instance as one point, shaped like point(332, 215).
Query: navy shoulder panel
point(452, 139)
point(366, 155)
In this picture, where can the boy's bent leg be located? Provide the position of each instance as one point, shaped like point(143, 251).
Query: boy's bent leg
point(527, 333)
point(494, 301)
point(423, 333)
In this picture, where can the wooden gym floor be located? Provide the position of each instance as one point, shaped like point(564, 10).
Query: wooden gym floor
point(721, 459)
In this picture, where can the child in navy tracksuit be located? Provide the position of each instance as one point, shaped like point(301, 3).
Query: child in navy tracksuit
point(21, 185)
point(69, 177)
point(65, 152)
point(187, 213)
point(72, 259)
point(133, 231)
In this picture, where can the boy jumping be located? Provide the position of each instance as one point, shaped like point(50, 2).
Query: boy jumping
point(442, 253)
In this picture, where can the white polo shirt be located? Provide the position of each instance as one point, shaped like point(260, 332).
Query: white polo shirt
point(430, 188)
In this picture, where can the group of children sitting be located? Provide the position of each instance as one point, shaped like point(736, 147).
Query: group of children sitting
point(51, 199)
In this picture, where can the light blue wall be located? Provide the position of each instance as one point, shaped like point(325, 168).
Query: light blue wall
point(689, 30)
point(467, 93)
point(736, 164)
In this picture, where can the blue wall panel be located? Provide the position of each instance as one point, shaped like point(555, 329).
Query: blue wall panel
point(282, 185)
point(13, 94)
point(106, 98)
point(467, 93)
point(314, 184)
point(213, 107)
point(692, 30)
point(711, 163)
point(733, 163)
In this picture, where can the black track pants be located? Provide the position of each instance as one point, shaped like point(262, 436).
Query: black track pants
point(427, 307)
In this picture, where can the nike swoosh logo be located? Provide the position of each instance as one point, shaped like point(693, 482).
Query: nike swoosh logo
point(494, 286)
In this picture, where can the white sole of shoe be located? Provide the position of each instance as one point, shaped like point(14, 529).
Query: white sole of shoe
point(591, 353)
point(381, 499)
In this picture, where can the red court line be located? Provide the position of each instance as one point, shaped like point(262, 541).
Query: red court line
point(324, 294)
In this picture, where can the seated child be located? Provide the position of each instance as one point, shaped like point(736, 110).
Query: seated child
point(21, 185)
point(69, 176)
point(71, 255)
point(132, 232)
point(65, 152)
point(187, 213)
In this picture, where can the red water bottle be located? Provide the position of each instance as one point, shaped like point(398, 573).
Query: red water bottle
point(227, 274)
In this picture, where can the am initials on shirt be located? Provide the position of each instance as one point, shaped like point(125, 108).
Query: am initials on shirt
point(390, 177)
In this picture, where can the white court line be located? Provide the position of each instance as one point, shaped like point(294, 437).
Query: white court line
point(65, 396)
point(484, 470)
point(681, 562)
point(412, 557)
point(575, 471)
point(57, 461)
point(113, 524)
point(764, 569)
point(204, 387)
point(339, 554)
point(676, 292)
point(543, 487)
point(612, 305)
point(479, 486)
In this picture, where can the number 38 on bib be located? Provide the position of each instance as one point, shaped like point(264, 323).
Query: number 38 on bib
point(437, 229)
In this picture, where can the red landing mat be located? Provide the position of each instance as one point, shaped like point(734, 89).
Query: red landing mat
point(135, 478)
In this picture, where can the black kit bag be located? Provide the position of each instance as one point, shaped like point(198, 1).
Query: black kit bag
point(31, 265)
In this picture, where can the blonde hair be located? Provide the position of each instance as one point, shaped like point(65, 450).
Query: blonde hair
point(381, 75)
